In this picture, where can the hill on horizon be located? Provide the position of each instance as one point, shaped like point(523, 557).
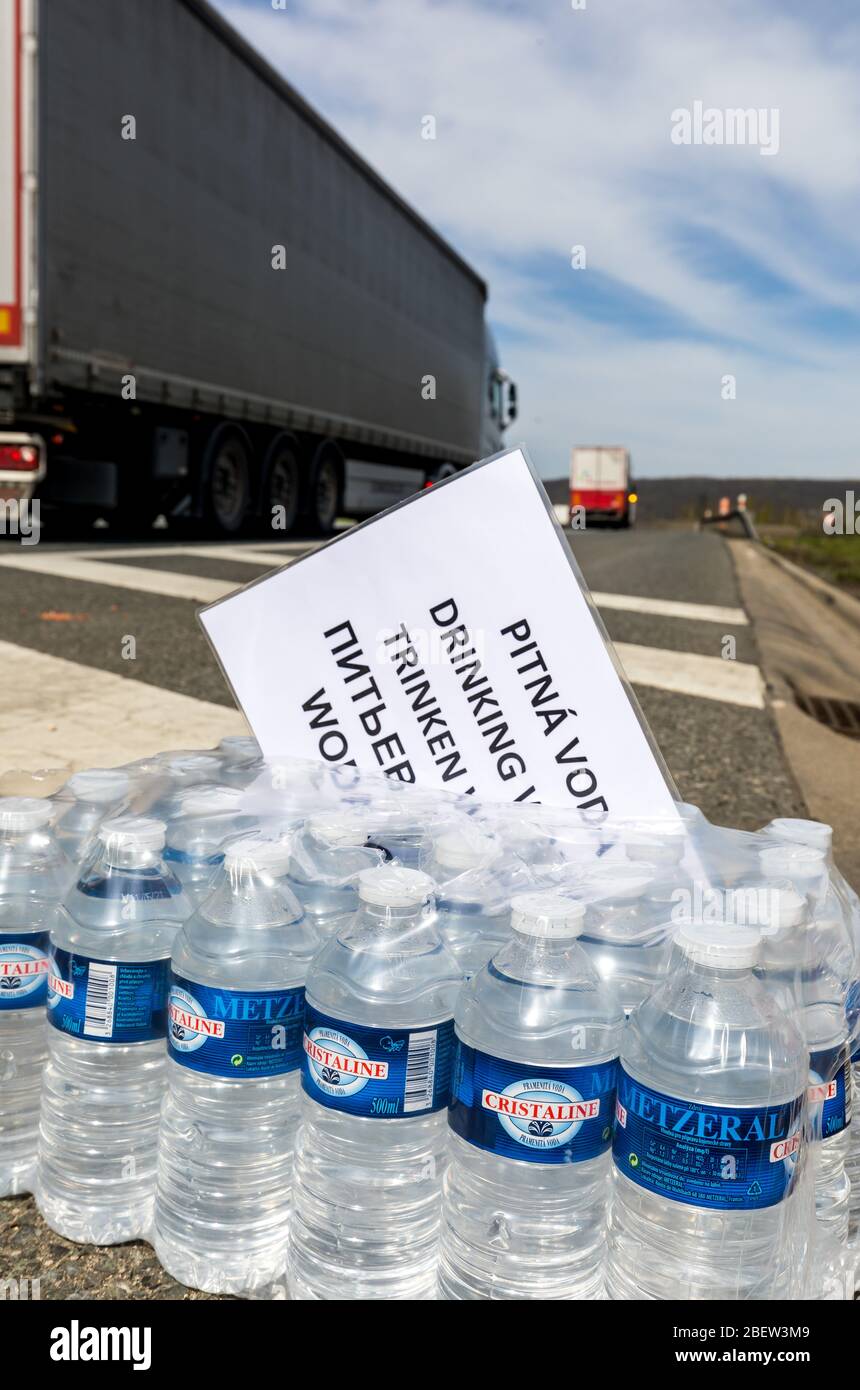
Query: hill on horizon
point(788, 500)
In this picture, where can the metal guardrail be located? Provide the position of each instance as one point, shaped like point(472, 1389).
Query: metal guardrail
point(726, 512)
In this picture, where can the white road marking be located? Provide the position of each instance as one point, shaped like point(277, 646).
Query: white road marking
point(55, 712)
point(68, 565)
point(687, 673)
point(673, 608)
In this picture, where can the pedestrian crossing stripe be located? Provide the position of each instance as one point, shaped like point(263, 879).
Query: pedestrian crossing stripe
point(683, 673)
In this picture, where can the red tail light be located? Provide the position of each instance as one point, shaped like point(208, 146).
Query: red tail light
point(19, 458)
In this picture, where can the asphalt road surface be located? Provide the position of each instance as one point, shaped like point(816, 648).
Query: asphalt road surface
point(668, 597)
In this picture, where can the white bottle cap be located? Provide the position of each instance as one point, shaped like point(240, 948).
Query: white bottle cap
point(720, 945)
point(132, 832)
point(465, 849)
point(620, 880)
point(547, 914)
point(668, 849)
point(784, 906)
point(21, 813)
point(802, 832)
point(339, 829)
point(100, 784)
point(256, 854)
point(390, 885)
point(209, 800)
point(793, 862)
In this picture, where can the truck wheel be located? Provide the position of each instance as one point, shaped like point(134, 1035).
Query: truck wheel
point(281, 488)
point(324, 495)
point(227, 479)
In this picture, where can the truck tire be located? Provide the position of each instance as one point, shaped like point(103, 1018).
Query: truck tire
point(325, 493)
point(227, 479)
point(281, 486)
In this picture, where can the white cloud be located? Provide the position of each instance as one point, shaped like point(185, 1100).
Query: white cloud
point(553, 129)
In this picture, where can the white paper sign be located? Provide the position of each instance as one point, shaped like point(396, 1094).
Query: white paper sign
point(449, 642)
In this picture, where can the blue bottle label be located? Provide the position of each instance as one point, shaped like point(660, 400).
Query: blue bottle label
point(531, 1112)
point(380, 1073)
point(829, 1092)
point(706, 1155)
point(108, 1001)
point(24, 964)
point(235, 1032)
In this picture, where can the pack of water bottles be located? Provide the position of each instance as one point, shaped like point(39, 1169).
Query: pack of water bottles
point(320, 1035)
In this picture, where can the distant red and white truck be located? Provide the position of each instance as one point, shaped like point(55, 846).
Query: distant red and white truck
point(601, 486)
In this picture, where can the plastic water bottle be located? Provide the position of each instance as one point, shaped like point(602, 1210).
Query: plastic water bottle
point(84, 802)
point(472, 906)
point(27, 909)
point(402, 823)
point(531, 1116)
point(820, 836)
point(328, 855)
point(32, 861)
point(206, 816)
point(799, 971)
point(628, 930)
point(236, 1016)
point(107, 1004)
point(178, 772)
point(708, 1131)
point(379, 1042)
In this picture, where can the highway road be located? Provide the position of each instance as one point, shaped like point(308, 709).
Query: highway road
point(669, 598)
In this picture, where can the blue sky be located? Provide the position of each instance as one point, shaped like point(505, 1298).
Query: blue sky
point(553, 130)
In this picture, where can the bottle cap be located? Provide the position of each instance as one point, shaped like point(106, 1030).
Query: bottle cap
point(783, 905)
point(132, 832)
point(802, 832)
point(257, 854)
point(100, 784)
point(667, 849)
point(390, 885)
point(619, 880)
point(339, 829)
point(21, 813)
point(208, 800)
point(793, 862)
point(464, 849)
point(547, 914)
point(720, 945)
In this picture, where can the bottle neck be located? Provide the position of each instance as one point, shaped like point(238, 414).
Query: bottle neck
point(383, 918)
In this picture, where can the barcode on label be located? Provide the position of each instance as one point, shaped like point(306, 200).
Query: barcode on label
point(99, 1006)
point(420, 1071)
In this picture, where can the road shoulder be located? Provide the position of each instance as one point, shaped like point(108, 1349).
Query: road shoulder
point(808, 643)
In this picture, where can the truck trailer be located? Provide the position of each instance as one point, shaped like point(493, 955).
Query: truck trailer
point(211, 307)
point(601, 484)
